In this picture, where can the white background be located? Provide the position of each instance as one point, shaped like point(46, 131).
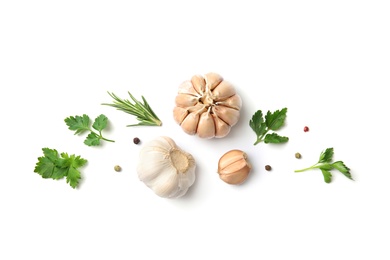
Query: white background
point(328, 62)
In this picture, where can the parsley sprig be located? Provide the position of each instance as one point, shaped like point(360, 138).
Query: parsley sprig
point(325, 164)
point(273, 121)
point(142, 110)
point(81, 124)
point(57, 166)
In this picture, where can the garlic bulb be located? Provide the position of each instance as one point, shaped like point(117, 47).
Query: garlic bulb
point(233, 167)
point(165, 168)
point(207, 106)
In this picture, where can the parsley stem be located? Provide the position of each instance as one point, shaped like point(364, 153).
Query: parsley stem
point(105, 139)
point(309, 168)
point(258, 141)
point(101, 136)
point(260, 138)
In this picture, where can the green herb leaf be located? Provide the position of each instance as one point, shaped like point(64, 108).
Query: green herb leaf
point(327, 175)
point(54, 166)
point(73, 162)
point(92, 139)
point(81, 124)
point(274, 138)
point(273, 121)
point(325, 165)
point(100, 123)
point(326, 156)
point(73, 177)
point(47, 163)
point(59, 173)
point(141, 110)
point(341, 167)
point(257, 123)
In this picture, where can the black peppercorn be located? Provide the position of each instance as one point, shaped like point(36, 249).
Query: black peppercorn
point(268, 167)
point(136, 140)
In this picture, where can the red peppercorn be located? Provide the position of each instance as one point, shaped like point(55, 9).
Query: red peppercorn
point(306, 129)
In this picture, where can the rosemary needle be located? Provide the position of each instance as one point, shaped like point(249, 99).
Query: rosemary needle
point(141, 110)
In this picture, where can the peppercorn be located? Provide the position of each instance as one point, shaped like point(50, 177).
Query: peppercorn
point(268, 167)
point(136, 140)
point(298, 155)
point(306, 129)
point(117, 168)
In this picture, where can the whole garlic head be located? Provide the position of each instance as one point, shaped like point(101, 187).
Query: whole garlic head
point(165, 168)
point(207, 106)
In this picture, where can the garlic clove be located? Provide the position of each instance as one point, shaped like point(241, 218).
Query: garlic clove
point(232, 102)
point(149, 169)
point(199, 108)
point(199, 83)
point(223, 91)
point(187, 88)
point(206, 126)
point(233, 167)
point(227, 114)
point(185, 100)
point(230, 158)
point(152, 168)
point(185, 181)
point(221, 127)
point(166, 183)
point(212, 80)
point(235, 178)
point(190, 123)
point(179, 114)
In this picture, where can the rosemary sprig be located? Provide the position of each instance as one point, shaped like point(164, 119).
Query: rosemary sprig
point(142, 111)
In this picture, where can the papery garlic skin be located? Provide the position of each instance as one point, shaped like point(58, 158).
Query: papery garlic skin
point(234, 167)
point(207, 106)
point(165, 168)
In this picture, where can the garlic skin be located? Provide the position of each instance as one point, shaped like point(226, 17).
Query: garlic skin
point(233, 167)
point(207, 106)
point(165, 168)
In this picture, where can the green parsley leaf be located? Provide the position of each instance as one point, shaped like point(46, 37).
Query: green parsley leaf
point(325, 165)
point(47, 164)
point(81, 124)
point(72, 160)
point(326, 156)
point(59, 173)
point(273, 121)
point(100, 123)
point(327, 175)
point(341, 167)
point(55, 166)
point(257, 123)
point(274, 138)
point(92, 139)
point(73, 177)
